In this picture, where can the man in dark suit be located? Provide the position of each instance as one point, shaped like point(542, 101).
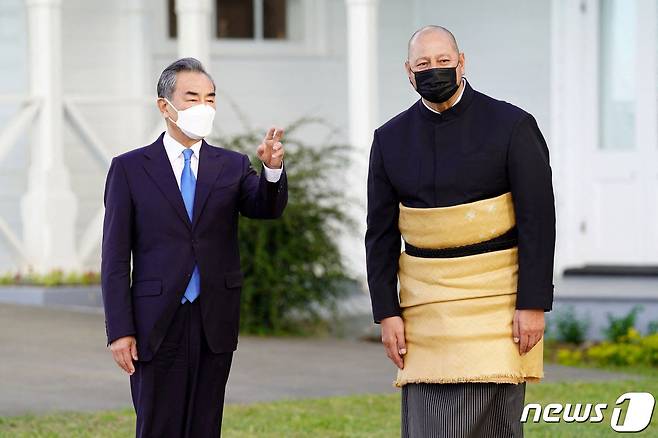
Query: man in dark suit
point(437, 171)
point(172, 323)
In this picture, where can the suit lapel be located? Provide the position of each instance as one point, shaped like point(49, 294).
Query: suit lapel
point(158, 167)
point(210, 166)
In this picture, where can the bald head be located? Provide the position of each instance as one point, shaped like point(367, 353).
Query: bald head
point(434, 47)
point(431, 34)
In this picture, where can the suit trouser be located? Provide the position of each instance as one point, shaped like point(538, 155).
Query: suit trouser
point(180, 392)
point(464, 410)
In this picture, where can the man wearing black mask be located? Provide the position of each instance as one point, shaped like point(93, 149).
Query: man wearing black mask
point(465, 181)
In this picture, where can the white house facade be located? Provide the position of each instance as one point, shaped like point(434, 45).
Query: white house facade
point(78, 87)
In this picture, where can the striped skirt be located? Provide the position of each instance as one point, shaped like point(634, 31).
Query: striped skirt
point(462, 410)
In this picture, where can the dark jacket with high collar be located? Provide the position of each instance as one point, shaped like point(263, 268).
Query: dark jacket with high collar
point(479, 148)
point(145, 217)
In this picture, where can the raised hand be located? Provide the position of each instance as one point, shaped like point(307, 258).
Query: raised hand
point(271, 151)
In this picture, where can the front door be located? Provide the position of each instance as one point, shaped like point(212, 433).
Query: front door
point(619, 212)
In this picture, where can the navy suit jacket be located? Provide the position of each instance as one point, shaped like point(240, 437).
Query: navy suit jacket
point(145, 217)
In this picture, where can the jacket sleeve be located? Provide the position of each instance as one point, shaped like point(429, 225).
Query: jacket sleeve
point(382, 239)
point(116, 253)
point(530, 179)
point(259, 198)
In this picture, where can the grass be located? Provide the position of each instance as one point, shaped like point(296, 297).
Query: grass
point(352, 416)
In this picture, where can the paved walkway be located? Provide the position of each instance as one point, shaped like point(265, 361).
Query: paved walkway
point(57, 360)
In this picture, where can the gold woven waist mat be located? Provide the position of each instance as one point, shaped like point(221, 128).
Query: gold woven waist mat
point(458, 225)
point(458, 321)
point(458, 311)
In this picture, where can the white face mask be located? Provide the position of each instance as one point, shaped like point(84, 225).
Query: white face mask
point(195, 121)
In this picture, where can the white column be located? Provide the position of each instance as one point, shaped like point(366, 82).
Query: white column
point(362, 70)
point(362, 110)
point(49, 207)
point(193, 20)
point(135, 71)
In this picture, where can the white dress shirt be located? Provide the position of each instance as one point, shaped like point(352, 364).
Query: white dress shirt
point(456, 101)
point(175, 154)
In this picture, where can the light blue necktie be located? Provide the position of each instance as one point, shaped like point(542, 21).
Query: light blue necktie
point(187, 187)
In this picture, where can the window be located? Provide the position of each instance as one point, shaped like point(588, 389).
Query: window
point(617, 80)
point(172, 24)
point(244, 19)
point(235, 19)
point(254, 27)
point(253, 19)
point(274, 19)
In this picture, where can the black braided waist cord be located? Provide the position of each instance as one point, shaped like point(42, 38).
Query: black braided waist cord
point(505, 241)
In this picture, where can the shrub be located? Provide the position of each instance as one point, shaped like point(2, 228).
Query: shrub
point(619, 327)
point(566, 356)
point(649, 346)
point(607, 353)
point(569, 328)
point(652, 327)
point(631, 349)
point(292, 265)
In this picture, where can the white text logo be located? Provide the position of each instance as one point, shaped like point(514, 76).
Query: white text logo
point(638, 412)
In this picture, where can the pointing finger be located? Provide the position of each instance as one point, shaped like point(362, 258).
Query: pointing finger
point(278, 134)
point(270, 134)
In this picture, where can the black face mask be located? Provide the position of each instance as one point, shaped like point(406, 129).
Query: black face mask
point(437, 84)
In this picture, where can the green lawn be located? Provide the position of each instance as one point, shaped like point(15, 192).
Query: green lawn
point(354, 416)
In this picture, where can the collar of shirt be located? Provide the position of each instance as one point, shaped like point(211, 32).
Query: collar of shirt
point(175, 150)
point(456, 101)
